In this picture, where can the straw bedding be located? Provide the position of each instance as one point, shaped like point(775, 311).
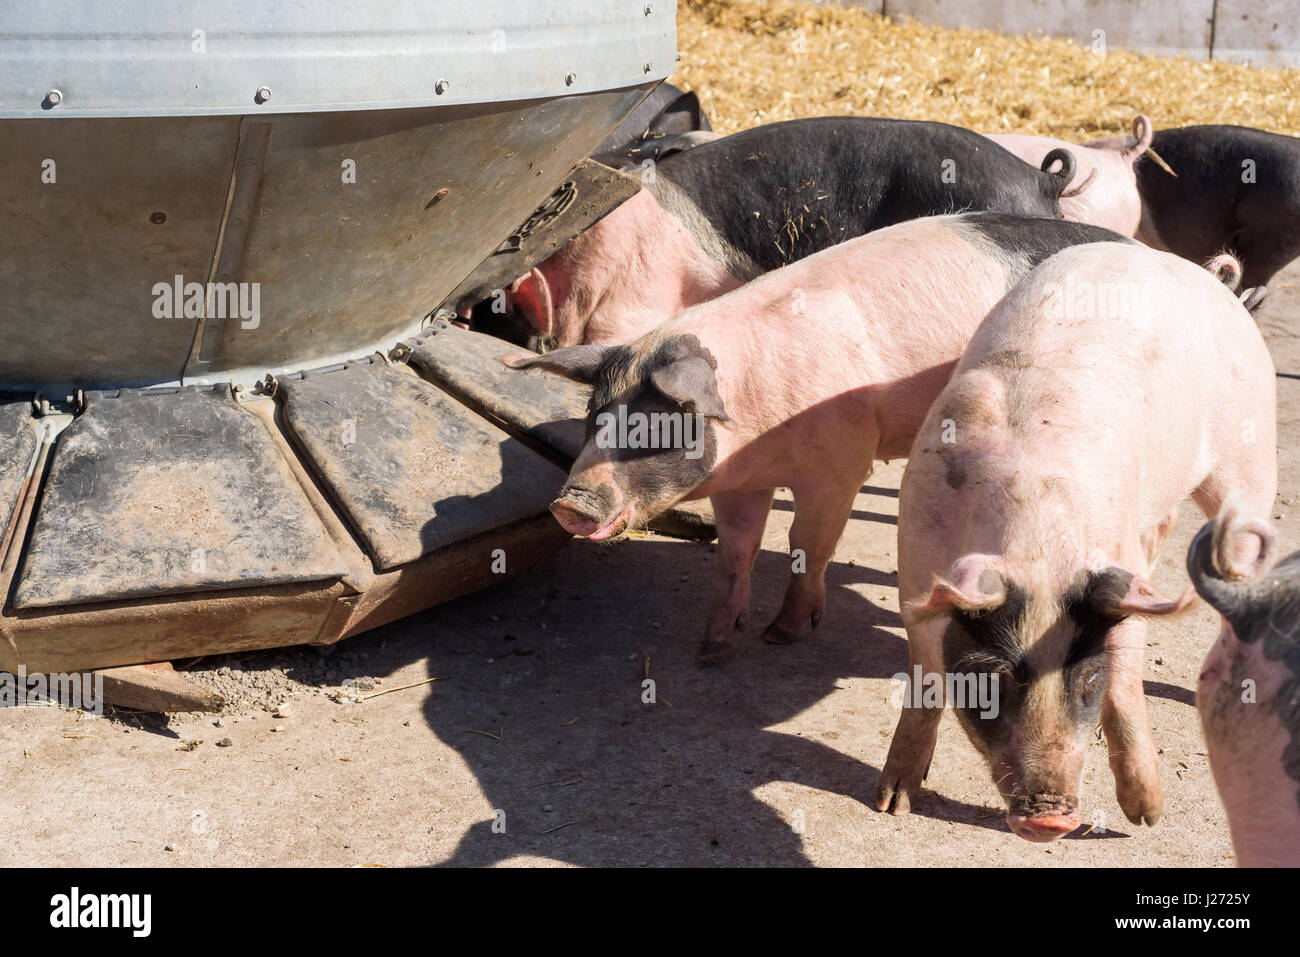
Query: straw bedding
point(754, 62)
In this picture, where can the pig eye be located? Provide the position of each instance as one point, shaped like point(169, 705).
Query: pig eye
point(1090, 684)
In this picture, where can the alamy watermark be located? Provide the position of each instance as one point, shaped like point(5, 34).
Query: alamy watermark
point(965, 691)
point(1082, 299)
point(179, 299)
point(80, 690)
point(651, 430)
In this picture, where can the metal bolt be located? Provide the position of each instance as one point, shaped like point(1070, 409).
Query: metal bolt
point(649, 9)
point(54, 97)
point(647, 67)
point(441, 87)
point(570, 79)
point(263, 94)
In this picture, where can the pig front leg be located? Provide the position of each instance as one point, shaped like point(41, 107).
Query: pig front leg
point(741, 518)
point(1126, 726)
point(820, 515)
point(912, 747)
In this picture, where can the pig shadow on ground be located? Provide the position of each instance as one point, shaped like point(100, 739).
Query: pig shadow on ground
point(1163, 689)
point(784, 505)
point(549, 709)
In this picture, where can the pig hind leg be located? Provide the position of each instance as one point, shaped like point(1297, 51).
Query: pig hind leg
point(820, 515)
point(741, 518)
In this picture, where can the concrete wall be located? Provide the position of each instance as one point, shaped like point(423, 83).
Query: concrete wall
point(1262, 32)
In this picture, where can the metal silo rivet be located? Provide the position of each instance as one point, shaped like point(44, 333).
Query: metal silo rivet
point(263, 94)
point(570, 79)
point(54, 97)
point(441, 87)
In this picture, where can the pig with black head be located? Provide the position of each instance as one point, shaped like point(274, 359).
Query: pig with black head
point(1248, 695)
point(724, 402)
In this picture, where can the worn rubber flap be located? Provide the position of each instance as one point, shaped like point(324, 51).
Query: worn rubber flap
point(547, 408)
point(413, 469)
point(152, 494)
point(17, 449)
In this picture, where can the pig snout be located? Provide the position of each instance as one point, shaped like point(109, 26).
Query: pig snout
point(595, 514)
point(1040, 785)
point(1043, 817)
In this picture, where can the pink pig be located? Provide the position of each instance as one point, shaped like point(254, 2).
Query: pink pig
point(595, 289)
point(881, 319)
point(1104, 189)
point(1110, 384)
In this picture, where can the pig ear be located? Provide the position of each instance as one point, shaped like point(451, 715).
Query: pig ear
point(690, 383)
point(579, 363)
point(1116, 593)
point(975, 583)
point(530, 295)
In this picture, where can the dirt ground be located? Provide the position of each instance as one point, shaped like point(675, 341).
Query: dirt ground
point(536, 748)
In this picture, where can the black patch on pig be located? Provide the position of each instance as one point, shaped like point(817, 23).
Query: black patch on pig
point(992, 642)
point(1027, 241)
point(626, 378)
point(783, 191)
point(1207, 209)
point(956, 474)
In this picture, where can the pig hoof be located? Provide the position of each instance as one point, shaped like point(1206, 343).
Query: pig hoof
point(1141, 805)
point(1141, 815)
point(714, 652)
point(774, 634)
point(893, 798)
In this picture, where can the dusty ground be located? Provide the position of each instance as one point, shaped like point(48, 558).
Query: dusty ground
point(770, 760)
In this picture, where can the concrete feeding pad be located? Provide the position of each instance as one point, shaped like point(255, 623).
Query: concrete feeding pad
point(153, 494)
point(414, 470)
